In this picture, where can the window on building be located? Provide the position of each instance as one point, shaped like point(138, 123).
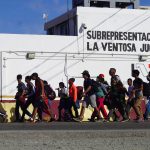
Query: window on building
point(50, 31)
point(64, 28)
point(99, 3)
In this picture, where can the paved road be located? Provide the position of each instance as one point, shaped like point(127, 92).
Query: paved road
point(76, 126)
point(75, 136)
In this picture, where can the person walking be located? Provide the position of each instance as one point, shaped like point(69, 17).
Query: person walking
point(20, 98)
point(29, 94)
point(73, 96)
point(89, 97)
point(137, 95)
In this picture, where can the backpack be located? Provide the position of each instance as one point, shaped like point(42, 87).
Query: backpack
point(95, 86)
point(79, 92)
point(146, 89)
point(50, 93)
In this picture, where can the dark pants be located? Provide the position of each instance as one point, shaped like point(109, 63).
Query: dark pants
point(66, 105)
point(147, 109)
point(122, 109)
point(21, 105)
point(73, 104)
point(121, 106)
point(26, 105)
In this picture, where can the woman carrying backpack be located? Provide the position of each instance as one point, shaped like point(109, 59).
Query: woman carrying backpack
point(99, 100)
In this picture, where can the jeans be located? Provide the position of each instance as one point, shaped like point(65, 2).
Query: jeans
point(26, 105)
point(17, 114)
point(147, 110)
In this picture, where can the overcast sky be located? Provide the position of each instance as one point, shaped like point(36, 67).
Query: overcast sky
point(25, 16)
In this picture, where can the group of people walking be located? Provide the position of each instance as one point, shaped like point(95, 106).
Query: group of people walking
point(96, 93)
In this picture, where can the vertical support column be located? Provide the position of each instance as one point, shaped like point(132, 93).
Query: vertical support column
point(112, 3)
point(132, 68)
point(136, 4)
point(87, 3)
point(0, 76)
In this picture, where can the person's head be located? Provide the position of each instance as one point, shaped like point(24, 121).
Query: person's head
point(135, 73)
point(85, 74)
point(71, 81)
point(62, 85)
point(119, 85)
point(19, 77)
point(148, 76)
point(97, 79)
point(45, 82)
point(114, 82)
point(101, 78)
point(129, 81)
point(27, 79)
point(34, 76)
point(112, 71)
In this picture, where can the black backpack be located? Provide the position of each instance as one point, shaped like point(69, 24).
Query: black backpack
point(79, 92)
point(95, 86)
point(50, 93)
point(146, 89)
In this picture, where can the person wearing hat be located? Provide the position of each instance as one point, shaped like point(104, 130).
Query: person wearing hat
point(101, 95)
point(102, 79)
point(104, 84)
point(89, 96)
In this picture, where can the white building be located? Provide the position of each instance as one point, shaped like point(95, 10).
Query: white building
point(99, 39)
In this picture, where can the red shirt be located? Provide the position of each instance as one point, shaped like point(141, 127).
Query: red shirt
point(73, 92)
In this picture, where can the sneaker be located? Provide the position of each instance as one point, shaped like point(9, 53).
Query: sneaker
point(5, 119)
point(92, 120)
point(31, 120)
point(59, 120)
point(139, 120)
point(125, 120)
point(52, 119)
point(116, 120)
point(77, 119)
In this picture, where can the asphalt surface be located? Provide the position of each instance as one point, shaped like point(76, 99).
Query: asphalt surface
point(130, 125)
point(75, 136)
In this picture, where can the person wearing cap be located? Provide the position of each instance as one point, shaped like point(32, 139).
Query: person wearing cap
point(101, 96)
point(104, 84)
point(89, 97)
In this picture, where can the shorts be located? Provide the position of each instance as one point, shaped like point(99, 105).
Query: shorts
point(89, 100)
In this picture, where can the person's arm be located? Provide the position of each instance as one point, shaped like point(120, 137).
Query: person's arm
point(32, 92)
point(74, 94)
point(139, 88)
point(42, 89)
point(23, 89)
point(87, 90)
